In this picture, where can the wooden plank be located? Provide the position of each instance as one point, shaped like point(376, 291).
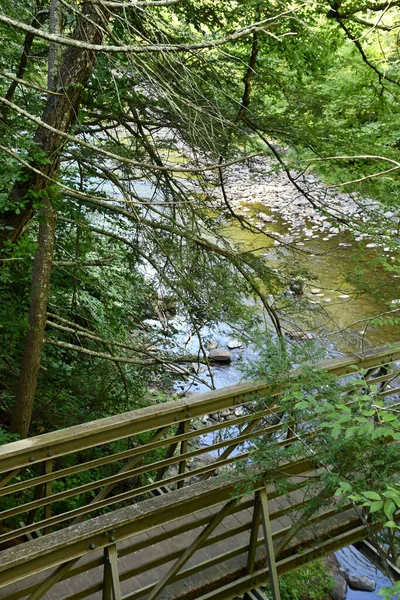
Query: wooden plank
point(78, 540)
point(197, 543)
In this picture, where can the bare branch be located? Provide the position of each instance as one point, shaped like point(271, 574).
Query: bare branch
point(123, 159)
point(263, 26)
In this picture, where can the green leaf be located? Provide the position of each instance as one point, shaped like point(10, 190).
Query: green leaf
point(389, 508)
point(345, 485)
point(391, 494)
point(301, 405)
point(375, 506)
point(371, 495)
point(391, 525)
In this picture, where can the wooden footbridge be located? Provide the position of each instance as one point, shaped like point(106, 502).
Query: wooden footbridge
point(151, 504)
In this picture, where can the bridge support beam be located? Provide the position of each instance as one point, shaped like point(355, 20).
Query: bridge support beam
point(111, 585)
point(255, 524)
point(269, 546)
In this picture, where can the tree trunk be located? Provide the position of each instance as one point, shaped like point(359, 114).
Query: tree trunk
point(40, 287)
point(60, 112)
point(37, 22)
point(55, 50)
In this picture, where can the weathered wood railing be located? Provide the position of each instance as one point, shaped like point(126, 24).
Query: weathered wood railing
point(67, 477)
point(201, 542)
point(60, 478)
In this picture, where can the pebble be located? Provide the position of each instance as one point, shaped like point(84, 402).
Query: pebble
point(371, 245)
point(315, 291)
point(343, 296)
point(327, 299)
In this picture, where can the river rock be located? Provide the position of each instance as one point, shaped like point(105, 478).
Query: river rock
point(234, 344)
point(315, 291)
point(212, 345)
point(339, 590)
point(264, 217)
point(296, 285)
point(220, 356)
point(298, 336)
point(360, 582)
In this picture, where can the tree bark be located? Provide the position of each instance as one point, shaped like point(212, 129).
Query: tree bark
point(55, 50)
point(40, 287)
point(60, 112)
point(37, 22)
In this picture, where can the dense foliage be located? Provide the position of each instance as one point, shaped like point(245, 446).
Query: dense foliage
point(170, 92)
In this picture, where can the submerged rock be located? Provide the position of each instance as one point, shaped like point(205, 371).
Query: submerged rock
point(212, 345)
point(264, 217)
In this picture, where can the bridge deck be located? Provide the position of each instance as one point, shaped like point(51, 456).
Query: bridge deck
point(88, 491)
point(220, 565)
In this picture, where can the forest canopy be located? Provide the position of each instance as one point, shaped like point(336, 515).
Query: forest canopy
point(119, 120)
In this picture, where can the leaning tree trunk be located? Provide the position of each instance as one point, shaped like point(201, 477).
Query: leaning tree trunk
point(40, 287)
point(60, 113)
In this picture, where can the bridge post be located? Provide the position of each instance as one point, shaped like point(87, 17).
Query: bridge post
point(111, 584)
point(269, 546)
point(184, 447)
point(255, 524)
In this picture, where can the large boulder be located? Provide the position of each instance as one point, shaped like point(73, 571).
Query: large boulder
point(360, 582)
point(339, 589)
point(220, 356)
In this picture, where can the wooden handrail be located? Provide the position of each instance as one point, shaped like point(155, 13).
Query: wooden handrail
point(32, 450)
point(45, 491)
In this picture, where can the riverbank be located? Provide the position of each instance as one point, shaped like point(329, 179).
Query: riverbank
point(306, 205)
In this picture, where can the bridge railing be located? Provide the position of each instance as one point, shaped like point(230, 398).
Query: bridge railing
point(207, 541)
point(61, 478)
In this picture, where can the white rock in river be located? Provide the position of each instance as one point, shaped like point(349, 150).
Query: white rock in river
point(344, 296)
point(212, 345)
point(371, 245)
point(221, 356)
point(315, 291)
point(233, 344)
point(264, 217)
